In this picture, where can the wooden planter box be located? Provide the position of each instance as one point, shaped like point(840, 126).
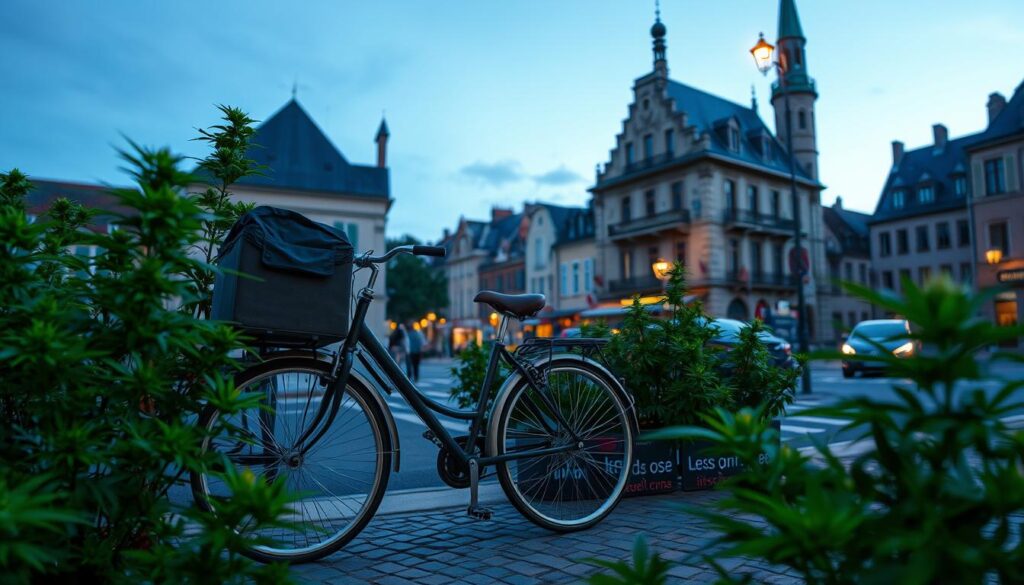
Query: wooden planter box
point(702, 471)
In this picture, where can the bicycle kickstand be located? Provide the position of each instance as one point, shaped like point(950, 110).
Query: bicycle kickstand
point(475, 510)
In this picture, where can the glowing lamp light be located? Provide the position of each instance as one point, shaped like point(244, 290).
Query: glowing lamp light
point(431, 316)
point(994, 256)
point(661, 268)
point(442, 321)
point(393, 325)
point(423, 323)
point(494, 319)
point(762, 53)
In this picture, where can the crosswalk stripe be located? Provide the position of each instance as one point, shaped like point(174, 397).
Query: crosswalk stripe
point(451, 426)
point(820, 419)
point(799, 429)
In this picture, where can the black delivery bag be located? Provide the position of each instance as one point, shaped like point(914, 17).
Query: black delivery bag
point(295, 285)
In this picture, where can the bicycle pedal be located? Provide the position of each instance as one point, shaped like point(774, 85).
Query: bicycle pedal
point(480, 512)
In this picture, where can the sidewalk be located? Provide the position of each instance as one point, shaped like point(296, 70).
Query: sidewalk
point(446, 546)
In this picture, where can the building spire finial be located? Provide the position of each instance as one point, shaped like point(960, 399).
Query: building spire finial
point(753, 98)
point(658, 34)
point(657, 10)
point(295, 89)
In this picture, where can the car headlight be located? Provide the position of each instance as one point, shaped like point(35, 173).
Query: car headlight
point(848, 349)
point(907, 349)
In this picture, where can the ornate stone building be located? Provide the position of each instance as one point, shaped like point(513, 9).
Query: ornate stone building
point(698, 178)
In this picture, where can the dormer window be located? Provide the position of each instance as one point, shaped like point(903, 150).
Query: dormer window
point(734, 139)
point(960, 186)
point(648, 146)
point(926, 194)
point(898, 198)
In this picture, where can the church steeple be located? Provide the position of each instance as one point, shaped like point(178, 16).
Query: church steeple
point(792, 57)
point(658, 34)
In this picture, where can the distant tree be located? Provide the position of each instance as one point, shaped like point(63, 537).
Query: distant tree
point(414, 286)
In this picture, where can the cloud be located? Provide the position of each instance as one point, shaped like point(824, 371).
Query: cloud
point(559, 176)
point(494, 174)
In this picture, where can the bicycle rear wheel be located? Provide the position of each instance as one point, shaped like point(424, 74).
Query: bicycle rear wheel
point(575, 489)
point(340, 480)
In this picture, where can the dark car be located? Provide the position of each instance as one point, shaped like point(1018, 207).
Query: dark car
point(729, 336)
point(872, 338)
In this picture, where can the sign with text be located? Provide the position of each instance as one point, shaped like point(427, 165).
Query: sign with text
point(1011, 276)
point(702, 471)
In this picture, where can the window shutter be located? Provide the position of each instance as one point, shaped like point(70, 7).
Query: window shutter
point(1011, 172)
point(353, 235)
point(978, 179)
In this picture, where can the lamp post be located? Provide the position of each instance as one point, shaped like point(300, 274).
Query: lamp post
point(762, 53)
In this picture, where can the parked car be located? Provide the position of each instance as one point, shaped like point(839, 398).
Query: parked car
point(872, 338)
point(729, 336)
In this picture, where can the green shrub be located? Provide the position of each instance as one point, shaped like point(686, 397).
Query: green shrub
point(101, 377)
point(937, 497)
point(469, 372)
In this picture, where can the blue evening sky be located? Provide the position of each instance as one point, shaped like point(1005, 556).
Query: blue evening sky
point(488, 102)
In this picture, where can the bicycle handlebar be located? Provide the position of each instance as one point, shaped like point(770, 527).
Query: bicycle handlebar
point(367, 260)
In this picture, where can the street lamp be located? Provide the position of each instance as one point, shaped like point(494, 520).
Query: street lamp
point(762, 53)
point(661, 268)
point(993, 256)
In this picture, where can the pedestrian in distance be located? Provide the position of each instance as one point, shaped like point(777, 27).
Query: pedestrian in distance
point(416, 343)
point(398, 344)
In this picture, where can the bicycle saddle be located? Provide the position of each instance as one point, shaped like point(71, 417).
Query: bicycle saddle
point(518, 306)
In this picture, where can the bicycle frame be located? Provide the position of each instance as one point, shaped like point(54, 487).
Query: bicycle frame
point(423, 406)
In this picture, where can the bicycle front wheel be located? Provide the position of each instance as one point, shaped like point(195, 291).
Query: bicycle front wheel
point(577, 488)
point(339, 480)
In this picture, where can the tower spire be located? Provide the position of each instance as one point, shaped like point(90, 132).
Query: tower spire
point(658, 34)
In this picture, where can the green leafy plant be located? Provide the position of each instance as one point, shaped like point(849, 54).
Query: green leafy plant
point(414, 286)
point(469, 372)
point(754, 379)
point(646, 568)
point(104, 365)
point(936, 496)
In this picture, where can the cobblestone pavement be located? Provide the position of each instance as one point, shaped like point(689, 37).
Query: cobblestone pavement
point(446, 546)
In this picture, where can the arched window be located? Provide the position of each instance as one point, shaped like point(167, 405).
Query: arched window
point(737, 310)
point(801, 118)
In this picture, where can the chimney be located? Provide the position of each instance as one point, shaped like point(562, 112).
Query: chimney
point(447, 233)
point(382, 144)
point(897, 153)
point(499, 213)
point(839, 202)
point(941, 134)
point(996, 103)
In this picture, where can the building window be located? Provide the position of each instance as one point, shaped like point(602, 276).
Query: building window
point(352, 231)
point(926, 194)
point(648, 146)
point(564, 279)
point(852, 315)
point(848, 271)
point(576, 278)
point(960, 186)
point(730, 194)
point(905, 275)
point(649, 202)
point(629, 153)
point(500, 280)
point(677, 195)
point(756, 264)
point(946, 270)
point(963, 233)
point(652, 255)
point(998, 237)
point(670, 147)
point(777, 260)
point(627, 210)
point(863, 269)
point(924, 274)
point(898, 197)
point(627, 263)
point(942, 237)
point(734, 255)
point(681, 252)
point(965, 272)
point(538, 254)
point(776, 203)
point(588, 275)
point(994, 180)
point(884, 244)
point(801, 119)
point(923, 245)
point(902, 242)
point(887, 280)
point(734, 139)
point(752, 199)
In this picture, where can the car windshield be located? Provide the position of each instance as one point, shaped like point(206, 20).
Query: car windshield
point(886, 330)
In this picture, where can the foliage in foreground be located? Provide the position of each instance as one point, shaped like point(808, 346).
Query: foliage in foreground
point(101, 375)
point(415, 287)
point(936, 497)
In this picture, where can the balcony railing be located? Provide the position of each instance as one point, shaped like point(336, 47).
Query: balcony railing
point(650, 223)
point(646, 163)
point(747, 217)
point(636, 284)
point(761, 279)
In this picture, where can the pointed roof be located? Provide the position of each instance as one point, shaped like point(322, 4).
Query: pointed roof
point(383, 129)
point(789, 20)
point(298, 156)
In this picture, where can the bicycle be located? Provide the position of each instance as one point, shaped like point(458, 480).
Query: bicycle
point(559, 435)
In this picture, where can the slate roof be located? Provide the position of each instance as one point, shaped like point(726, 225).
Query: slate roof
point(709, 112)
point(299, 156)
point(850, 229)
point(1008, 122)
point(789, 21)
point(503, 233)
point(39, 199)
point(572, 224)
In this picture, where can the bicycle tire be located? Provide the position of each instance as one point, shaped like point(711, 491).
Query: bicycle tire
point(381, 438)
